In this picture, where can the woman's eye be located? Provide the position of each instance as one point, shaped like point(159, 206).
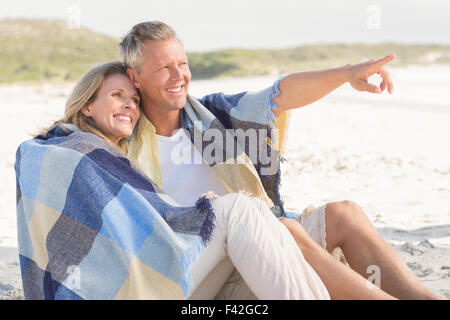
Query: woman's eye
point(136, 101)
point(116, 94)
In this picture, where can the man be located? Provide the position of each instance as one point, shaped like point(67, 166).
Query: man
point(159, 69)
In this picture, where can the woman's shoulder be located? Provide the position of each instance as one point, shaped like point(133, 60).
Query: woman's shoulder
point(95, 147)
point(69, 138)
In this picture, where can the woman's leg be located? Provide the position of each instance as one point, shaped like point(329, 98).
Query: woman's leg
point(341, 281)
point(262, 250)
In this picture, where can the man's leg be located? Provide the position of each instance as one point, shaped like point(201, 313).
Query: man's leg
point(348, 227)
point(342, 282)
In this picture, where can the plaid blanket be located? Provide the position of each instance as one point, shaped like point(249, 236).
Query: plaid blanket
point(91, 225)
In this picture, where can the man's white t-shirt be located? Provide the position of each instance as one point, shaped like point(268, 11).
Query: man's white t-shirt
point(185, 176)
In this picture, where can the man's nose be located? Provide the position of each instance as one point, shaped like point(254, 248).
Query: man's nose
point(176, 74)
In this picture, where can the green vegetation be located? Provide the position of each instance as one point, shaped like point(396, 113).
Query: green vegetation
point(46, 50)
point(238, 62)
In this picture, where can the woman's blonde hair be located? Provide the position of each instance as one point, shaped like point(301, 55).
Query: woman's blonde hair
point(83, 94)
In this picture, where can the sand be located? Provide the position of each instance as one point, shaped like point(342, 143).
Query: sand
point(388, 153)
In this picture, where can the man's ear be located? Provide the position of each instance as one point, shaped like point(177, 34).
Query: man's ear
point(132, 74)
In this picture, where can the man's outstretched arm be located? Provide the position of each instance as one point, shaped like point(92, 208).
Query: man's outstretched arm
point(302, 88)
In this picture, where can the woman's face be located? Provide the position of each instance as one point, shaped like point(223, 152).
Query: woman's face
point(115, 110)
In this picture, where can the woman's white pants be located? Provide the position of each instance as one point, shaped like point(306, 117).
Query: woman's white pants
point(251, 239)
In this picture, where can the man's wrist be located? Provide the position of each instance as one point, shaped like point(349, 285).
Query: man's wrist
point(345, 73)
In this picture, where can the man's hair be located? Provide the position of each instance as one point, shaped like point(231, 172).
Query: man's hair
point(132, 45)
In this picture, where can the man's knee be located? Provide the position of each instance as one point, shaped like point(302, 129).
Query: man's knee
point(344, 208)
point(344, 215)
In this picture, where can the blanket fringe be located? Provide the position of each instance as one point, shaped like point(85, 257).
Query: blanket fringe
point(204, 204)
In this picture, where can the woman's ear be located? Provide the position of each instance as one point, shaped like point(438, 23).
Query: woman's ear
point(87, 111)
point(132, 74)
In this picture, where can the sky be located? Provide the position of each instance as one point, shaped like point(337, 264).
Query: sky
point(212, 24)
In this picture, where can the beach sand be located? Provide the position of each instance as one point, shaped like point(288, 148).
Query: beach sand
point(388, 153)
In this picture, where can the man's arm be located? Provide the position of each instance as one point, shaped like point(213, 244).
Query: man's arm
point(302, 88)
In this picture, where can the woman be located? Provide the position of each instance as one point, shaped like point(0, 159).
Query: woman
point(105, 103)
point(91, 226)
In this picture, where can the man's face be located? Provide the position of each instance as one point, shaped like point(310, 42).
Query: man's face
point(164, 78)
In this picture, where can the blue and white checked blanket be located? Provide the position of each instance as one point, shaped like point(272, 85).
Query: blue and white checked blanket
point(92, 226)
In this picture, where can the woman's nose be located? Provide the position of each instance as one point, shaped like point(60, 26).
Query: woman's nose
point(131, 104)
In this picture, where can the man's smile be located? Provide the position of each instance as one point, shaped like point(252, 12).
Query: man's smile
point(175, 89)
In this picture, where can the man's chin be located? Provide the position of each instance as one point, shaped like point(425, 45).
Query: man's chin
point(178, 105)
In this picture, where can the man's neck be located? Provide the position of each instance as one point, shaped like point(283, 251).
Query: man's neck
point(165, 123)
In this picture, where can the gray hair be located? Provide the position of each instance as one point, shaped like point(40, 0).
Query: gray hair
point(132, 44)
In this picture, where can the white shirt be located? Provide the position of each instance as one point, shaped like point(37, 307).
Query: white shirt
point(185, 175)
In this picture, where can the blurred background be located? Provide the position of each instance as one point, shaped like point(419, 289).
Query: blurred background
point(58, 41)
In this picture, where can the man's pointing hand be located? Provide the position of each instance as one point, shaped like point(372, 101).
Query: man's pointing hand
point(359, 74)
